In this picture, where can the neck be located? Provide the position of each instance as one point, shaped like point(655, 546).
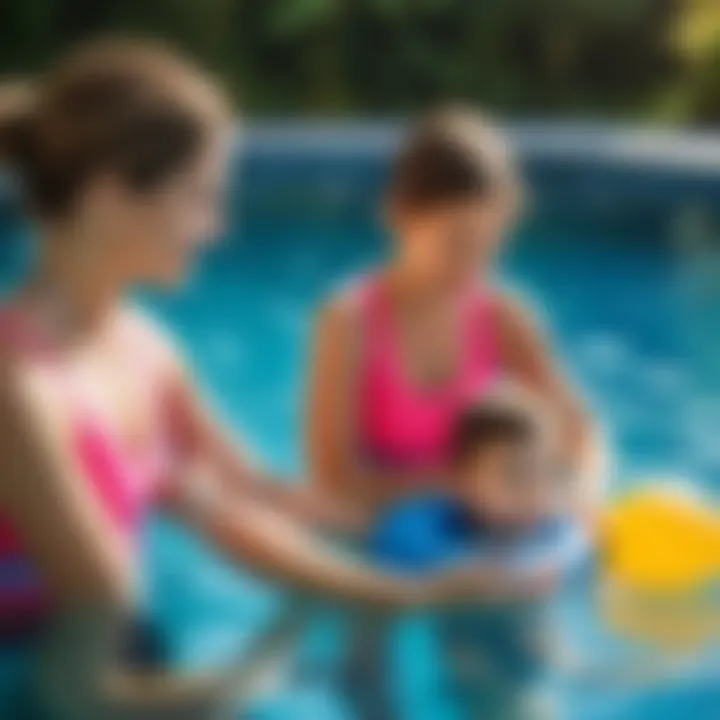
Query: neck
point(415, 287)
point(75, 290)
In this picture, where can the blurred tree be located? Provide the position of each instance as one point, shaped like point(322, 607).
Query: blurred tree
point(617, 57)
point(697, 37)
point(26, 34)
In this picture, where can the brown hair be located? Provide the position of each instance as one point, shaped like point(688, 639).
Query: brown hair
point(453, 155)
point(505, 417)
point(133, 108)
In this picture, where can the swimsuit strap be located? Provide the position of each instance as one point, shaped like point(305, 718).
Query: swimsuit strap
point(116, 469)
point(478, 353)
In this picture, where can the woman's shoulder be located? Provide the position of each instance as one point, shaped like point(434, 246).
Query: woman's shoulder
point(147, 338)
point(17, 332)
point(25, 373)
point(353, 292)
point(356, 302)
point(344, 307)
point(510, 310)
point(34, 413)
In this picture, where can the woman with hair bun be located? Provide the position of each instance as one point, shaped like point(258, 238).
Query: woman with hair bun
point(399, 356)
point(120, 155)
point(402, 354)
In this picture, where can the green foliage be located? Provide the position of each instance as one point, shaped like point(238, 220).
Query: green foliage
point(552, 57)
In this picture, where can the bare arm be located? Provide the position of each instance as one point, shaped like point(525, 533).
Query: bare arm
point(277, 547)
point(526, 358)
point(222, 459)
point(203, 440)
point(61, 522)
point(239, 520)
point(331, 405)
point(254, 521)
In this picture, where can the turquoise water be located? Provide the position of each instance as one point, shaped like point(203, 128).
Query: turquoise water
point(605, 285)
point(608, 297)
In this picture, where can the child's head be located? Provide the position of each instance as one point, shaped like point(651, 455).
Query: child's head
point(454, 188)
point(502, 460)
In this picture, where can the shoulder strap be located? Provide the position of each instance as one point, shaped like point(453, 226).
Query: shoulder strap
point(482, 331)
point(363, 296)
point(17, 332)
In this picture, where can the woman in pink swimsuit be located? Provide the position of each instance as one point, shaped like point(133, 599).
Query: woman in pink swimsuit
point(404, 350)
point(120, 153)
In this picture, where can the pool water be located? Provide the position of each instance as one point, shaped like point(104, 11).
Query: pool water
point(606, 291)
point(607, 297)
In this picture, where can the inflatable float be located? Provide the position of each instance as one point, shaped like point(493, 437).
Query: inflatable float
point(659, 559)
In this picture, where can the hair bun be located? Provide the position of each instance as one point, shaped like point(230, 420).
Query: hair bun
point(17, 116)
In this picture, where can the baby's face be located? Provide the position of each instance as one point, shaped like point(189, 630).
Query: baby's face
point(510, 483)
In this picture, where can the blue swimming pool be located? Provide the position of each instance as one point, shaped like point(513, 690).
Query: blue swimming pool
point(604, 274)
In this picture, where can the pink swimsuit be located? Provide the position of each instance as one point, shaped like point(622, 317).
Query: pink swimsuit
point(402, 426)
point(125, 481)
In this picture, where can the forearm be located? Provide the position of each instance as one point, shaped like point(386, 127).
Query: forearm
point(386, 488)
point(274, 546)
point(368, 490)
point(304, 502)
point(584, 462)
point(592, 466)
point(495, 582)
point(241, 475)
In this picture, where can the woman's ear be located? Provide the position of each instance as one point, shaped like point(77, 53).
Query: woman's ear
point(398, 218)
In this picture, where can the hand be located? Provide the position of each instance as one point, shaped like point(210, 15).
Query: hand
point(489, 583)
point(463, 584)
point(309, 506)
point(537, 582)
point(325, 512)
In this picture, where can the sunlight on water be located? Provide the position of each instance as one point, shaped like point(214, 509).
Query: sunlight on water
point(245, 321)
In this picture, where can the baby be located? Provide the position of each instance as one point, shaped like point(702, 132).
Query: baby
point(503, 507)
point(504, 474)
point(503, 489)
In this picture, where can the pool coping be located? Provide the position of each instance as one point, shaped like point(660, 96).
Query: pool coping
point(655, 147)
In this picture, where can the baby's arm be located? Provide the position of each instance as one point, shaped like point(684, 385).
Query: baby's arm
point(495, 582)
point(528, 359)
